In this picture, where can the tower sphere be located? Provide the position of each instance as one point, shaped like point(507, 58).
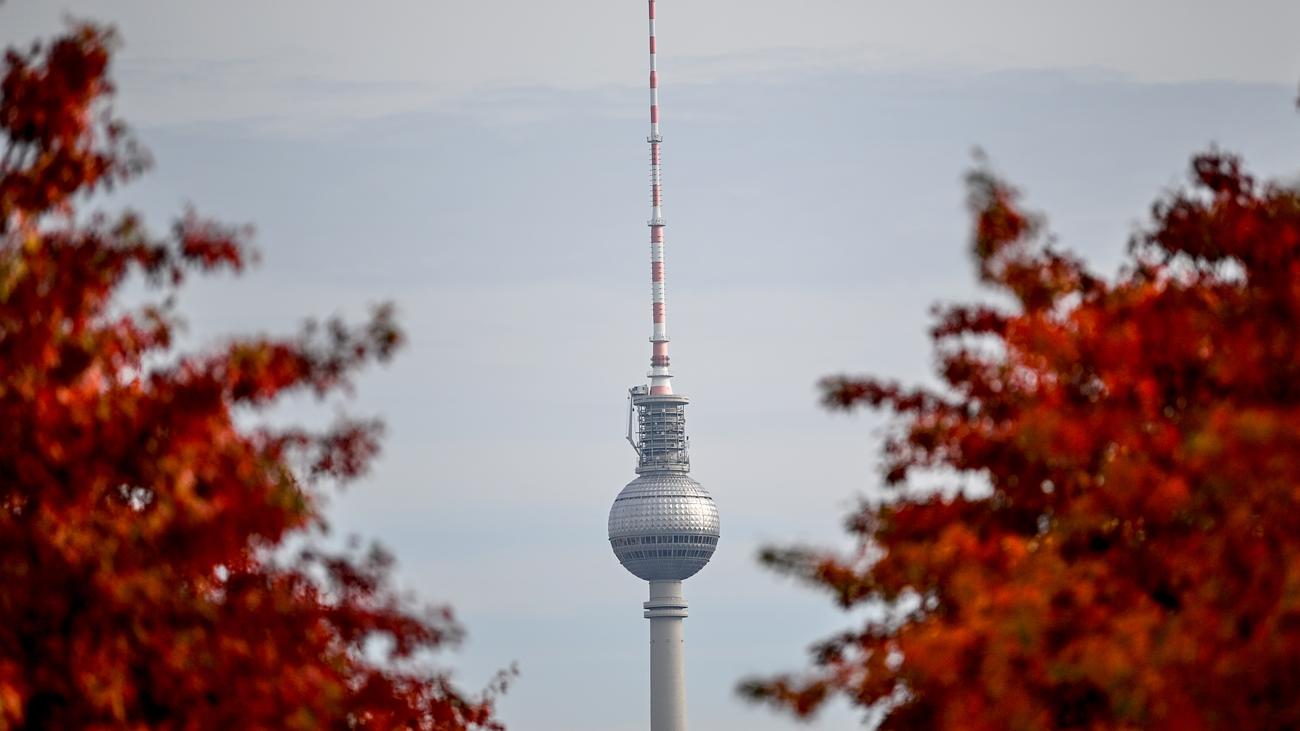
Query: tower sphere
point(663, 526)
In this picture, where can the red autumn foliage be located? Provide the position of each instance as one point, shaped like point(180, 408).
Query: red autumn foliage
point(1131, 559)
point(143, 522)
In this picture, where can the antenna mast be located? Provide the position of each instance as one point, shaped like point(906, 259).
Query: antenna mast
point(660, 377)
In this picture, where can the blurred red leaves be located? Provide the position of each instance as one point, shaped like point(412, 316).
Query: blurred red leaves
point(144, 579)
point(1134, 562)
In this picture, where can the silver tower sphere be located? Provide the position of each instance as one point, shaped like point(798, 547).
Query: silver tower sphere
point(663, 526)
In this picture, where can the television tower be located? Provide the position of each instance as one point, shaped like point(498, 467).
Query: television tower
point(663, 526)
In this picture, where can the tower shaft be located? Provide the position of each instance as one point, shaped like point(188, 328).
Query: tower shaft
point(660, 377)
point(666, 610)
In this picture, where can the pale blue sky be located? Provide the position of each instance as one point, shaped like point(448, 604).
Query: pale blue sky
point(483, 166)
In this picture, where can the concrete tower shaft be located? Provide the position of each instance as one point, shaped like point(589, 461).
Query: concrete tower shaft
point(666, 610)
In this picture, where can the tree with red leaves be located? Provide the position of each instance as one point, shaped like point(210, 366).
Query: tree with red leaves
point(1120, 548)
point(144, 579)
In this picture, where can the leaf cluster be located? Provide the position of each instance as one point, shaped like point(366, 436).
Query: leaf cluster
point(1135, 561)
point(142, 521)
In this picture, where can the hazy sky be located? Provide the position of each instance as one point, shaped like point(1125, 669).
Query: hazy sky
point(483, 165)
point(316, 61)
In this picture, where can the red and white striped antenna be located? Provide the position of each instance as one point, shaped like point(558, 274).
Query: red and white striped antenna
point(660, 376)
